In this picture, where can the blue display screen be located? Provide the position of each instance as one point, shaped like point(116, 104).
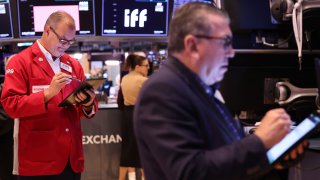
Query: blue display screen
point(5, 19)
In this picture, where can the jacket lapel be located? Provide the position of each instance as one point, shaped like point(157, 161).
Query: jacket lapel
point(41, 60)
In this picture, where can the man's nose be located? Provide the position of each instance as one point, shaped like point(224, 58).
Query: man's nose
point(230, 52)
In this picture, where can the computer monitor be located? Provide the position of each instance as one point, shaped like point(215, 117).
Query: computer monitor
point(32, 15)
point(317, 69)
point(6, 20)
point(244, 17)
point(177, 3)
point(134, 17)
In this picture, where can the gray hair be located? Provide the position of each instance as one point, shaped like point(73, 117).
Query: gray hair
point(60, 17)
point(191, 18)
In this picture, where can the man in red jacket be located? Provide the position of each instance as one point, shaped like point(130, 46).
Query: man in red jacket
point(36, 81)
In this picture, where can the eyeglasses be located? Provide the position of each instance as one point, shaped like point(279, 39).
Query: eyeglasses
point(227, 41)
point(63, 41)
point(145, 65)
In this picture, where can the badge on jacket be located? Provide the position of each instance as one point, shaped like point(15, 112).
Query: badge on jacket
point(39, 88)
point(66, 67)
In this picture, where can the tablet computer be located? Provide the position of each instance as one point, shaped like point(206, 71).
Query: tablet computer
point(87, 84)
point(293, 138)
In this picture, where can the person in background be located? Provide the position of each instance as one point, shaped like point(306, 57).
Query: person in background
point(183, 131)
point(6, 144)
point(130, 87)
point(36, 81)
point(6, 140)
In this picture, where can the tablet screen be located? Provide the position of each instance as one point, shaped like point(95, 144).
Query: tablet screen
point(89, 83)
point(293, 137)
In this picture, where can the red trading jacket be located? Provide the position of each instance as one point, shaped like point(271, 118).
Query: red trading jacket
point(48, 134)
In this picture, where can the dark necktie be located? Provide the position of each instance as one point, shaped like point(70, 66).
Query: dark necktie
point(232, 124)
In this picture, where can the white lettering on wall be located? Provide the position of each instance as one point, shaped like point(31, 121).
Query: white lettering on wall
point(101, 139)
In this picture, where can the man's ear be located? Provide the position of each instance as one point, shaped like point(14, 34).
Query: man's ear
point(190, 44)
point(46, 30)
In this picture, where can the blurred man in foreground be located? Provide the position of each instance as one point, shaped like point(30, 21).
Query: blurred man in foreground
point(183, 130)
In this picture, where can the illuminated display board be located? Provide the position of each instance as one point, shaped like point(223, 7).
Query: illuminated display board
point(134, 17)
point(33, 14)
point(6, 20)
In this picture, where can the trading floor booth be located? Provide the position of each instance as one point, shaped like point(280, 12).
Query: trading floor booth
point(102, 142)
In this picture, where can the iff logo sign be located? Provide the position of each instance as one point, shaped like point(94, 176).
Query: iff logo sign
point(130, 19)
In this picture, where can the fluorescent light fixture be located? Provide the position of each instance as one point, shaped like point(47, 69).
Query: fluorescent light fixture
point(24, 44)
point(77, 55)
point(112, 62)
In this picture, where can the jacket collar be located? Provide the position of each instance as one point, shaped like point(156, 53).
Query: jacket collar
point(190, 77)
point(40, 59)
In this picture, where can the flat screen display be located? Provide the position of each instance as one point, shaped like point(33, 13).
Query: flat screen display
point(32, 15)
point(243, 17)
point(177, 3)
point(5, 20)
point(134, 17)
point(317, 68)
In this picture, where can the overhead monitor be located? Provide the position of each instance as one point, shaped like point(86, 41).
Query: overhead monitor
point(243, 17)
point(6, 20)
point(134, 17)
point(32, 15)
point(317, 69)
point(177, 3)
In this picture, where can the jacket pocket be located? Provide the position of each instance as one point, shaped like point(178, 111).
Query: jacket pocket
point(38, 84)
point(41, 146)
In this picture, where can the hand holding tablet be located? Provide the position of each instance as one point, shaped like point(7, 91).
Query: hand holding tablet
point(293, 139)
point(87, 84)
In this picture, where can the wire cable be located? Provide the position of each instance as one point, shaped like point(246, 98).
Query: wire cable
point(264, 42)
point(298, 28)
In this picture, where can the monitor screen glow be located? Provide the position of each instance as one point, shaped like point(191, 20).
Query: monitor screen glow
point(32, 15)
point(177, 3)
point(41, 14)
point(134, 17)
point(6, 20)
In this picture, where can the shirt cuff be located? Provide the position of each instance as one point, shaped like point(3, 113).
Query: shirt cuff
point(93, 111)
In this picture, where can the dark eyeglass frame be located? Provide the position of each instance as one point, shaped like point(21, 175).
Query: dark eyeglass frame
point(62, 40)
point(227, 41)
point(145, 65)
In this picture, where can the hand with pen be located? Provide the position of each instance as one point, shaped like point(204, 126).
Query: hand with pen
point(84, 97)
point(57, 83)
